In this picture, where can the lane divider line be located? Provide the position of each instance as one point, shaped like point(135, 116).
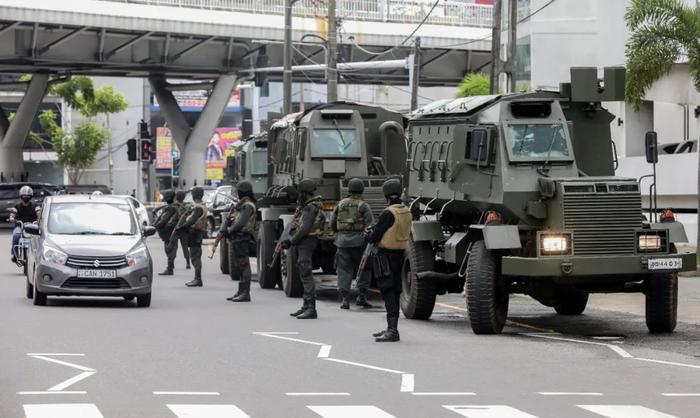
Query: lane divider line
point(317, 394)
point(60, 387)
point(443, 394)
point(570, 393)
point(618, 350)
point(186, 393)
point(681, 395)
point(53, 392)
point(72, 381)
point(366, 366)
point(669, 363)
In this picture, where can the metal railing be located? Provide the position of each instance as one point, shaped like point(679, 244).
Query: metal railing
point(447, 12)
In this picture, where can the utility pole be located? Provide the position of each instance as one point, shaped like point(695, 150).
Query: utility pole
point(415, 73)
point(496, 63)
point(287, 56)
point(512, 45)
point(332, 69)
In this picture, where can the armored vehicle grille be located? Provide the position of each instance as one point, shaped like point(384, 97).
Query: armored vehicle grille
point(603, 223)
point(77, 283)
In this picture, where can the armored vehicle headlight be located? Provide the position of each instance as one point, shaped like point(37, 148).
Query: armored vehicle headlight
point(329, 207)
point(553, 244)
point(649, 242)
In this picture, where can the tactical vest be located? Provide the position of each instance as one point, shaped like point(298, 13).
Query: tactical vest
point(201, 223)
point(396, 237)
point(249, 226)
point(349, 217)
point(317, 228)
point(180, 209)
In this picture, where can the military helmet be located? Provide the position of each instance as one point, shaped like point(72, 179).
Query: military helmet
point(168, 195)
point(180, 196)
point(356, 186)
point(244, 187)
point(392, 188)
point(307, 186)
point(197, 193)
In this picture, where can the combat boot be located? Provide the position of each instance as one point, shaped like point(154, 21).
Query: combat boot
point(344, 303)
point(243, 293)
point(392, 332)
point(362, 299)
point(196, 282)
point(235, 295)
point(310, 312)
point(167, 272)
point(379, 333)
point(300, 310)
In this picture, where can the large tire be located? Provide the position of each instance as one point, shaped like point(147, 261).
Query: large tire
point(39, 298)
point(418, 296)
point(223, 257)
point(571, 302)
point(487, 292)
point(661, 302)
point(291, 281)
point(231, 260)
point(268, 276)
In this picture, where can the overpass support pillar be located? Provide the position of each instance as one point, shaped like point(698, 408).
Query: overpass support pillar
point(13, 134)
point(194, 140)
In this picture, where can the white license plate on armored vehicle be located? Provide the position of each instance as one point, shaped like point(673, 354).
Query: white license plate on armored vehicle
point(665, 263)
point(97, 274)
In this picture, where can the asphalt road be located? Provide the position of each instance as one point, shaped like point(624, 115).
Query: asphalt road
point(193, 354)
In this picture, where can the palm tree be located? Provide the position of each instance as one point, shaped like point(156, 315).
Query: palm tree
point(662, 32)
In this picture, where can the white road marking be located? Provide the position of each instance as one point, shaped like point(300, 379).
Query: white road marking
point(669, 363)
point(325, 351)
point(86, 371)
point(624, 411)
point(65, 363)
point(56, 354)
point(443, 393)
point(366, 366)
point(207, 411)
point(408, 382)
point(187, 393)
point(53, 392)
point(570, 393)
point(350, 411)
point(317, 394)
point(549, 336)
point(71, 381)
point(681, 395)
point(488, 411)
point(67, 410)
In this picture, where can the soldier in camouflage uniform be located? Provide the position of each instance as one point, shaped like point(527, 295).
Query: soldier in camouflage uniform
point(310, 220)
point(165, 223)
point(349, 220)
point(241, 232)
point(181, 209)
point(194, 227)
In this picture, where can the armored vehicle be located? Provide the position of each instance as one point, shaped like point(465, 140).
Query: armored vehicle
point(517, 194)
point(331, 144)
point(249, 163)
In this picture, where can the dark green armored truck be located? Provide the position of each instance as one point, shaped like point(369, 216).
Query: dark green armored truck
point(517, 194)
point(330, 144)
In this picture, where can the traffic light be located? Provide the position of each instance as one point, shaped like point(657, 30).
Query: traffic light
point(146, 153)
point(131, 146)
point(144, 132)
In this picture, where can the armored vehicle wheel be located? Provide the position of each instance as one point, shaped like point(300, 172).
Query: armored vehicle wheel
point(268, 277)
point(223, 257)
point(291, 282)
point(571, 302)
point(661, 302)
point(231, 257)
point(487, 293)
point(418, 296)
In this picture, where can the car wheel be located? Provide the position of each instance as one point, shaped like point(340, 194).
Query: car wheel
point(30, 289)
point(144, 301)
point(487, 292)
point(39, 298)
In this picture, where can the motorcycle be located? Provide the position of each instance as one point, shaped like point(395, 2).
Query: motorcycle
point(19, 251)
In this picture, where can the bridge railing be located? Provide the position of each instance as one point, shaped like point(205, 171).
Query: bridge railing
point(447, 12)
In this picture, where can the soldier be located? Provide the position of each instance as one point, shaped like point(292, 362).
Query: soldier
point(391, 234)
point(241, 232)
point(349, 220)
point(181, 209)
point(310, 219)
point(165, 223)
point(194, 226)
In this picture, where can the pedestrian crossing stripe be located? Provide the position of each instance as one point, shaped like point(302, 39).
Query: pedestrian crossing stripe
point(66, 410)
point(207, 411)
point(488, 411)
point(625, 411)
point(350, 411)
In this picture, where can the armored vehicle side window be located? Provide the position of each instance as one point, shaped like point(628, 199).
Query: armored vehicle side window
point(538, 142)
point(339, 142)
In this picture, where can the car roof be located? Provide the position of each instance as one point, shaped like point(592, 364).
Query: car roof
point(82, 198)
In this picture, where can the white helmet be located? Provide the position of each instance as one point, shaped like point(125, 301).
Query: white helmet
point(26, 191)
point(97, 193)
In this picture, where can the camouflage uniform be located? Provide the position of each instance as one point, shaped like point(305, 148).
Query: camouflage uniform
point(242, 219)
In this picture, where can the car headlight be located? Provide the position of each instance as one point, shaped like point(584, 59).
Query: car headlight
point(54, 256)
point(137, 257)
point(555, 244)
point(649, 242)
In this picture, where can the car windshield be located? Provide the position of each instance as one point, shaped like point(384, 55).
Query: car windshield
point(91, 218)
point(335, 143)
point(208, 196)
point(259, 163)
point(538, 141)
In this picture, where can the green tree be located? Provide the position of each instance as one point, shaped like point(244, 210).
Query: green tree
point(662, 32)
point(474, 84)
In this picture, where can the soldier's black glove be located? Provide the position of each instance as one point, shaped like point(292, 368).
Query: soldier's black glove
point(286, 244)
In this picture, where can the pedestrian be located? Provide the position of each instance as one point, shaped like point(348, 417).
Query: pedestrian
point(390, 233)
point(181, 209)
point(241, 233)
point(309, 220)
point(194, 226)
point(168, 218)
point(349, 220)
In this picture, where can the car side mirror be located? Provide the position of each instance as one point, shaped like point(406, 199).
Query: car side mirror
point(480, 145)
point(31, 229)
point(651, 146)
point(149, 231)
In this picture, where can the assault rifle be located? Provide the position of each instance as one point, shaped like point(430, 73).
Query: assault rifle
point(370, 250)
point(286, 234)
point(220, 236)
point(180, 222)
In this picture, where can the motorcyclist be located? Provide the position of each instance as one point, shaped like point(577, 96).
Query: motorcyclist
point(25, 213)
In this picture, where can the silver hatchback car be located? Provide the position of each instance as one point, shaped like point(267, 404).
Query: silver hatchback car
point(89, 245)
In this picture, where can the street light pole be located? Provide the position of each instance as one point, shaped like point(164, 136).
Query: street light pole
point(287, 56)
point(332, 69)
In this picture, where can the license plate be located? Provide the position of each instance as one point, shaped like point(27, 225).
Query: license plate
point(665, 264)
point(97, 274)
